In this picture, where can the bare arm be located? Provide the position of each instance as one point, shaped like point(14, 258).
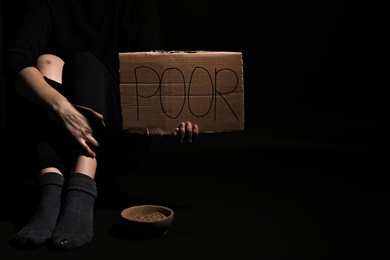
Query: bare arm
point(31, 85)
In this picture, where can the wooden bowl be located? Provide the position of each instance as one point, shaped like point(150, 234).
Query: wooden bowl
point(146, 221)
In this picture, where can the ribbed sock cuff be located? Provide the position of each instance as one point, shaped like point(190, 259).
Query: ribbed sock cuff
point(81, 182)
point(50, 178)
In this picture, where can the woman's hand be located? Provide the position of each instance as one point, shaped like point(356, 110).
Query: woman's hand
point(31, 85)
point(186, 132)
point(79, 127)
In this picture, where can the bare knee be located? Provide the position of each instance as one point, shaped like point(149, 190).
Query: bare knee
point(50, 66)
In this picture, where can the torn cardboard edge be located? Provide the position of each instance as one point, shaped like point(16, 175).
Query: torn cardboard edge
point(161, 89)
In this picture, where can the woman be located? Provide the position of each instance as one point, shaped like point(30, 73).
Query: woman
point(64, 59)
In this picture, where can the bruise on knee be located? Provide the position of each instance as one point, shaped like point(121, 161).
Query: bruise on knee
point(50, 66)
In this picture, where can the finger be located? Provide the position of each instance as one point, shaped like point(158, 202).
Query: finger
point(86, 147)
point(181, 132)
point(94, 113)
point(100, 117)
point(175, 131)
point(195, 132)
point(91, 141)
point(188, 133)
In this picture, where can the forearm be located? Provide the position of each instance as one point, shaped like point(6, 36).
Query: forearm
point(31, 85)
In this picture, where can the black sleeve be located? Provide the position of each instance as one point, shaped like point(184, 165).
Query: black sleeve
point(29, 40)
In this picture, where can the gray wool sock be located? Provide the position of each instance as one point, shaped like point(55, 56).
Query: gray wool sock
point(43, 222)
point(75, 224)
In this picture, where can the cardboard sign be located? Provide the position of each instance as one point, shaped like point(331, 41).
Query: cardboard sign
point(159, 90)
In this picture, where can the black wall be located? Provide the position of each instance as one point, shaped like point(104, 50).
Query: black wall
point(311, 68)
point(2, 89)
point(314, 66)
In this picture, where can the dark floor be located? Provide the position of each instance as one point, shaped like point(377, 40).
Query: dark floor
point(245, 195)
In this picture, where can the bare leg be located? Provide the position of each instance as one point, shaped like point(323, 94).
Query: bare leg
point(50, 182)
point(85, 165)
point(75, 223)
point(51, 67)
point(50, 169)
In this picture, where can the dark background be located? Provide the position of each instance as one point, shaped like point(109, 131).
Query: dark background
point(310, 66)
point(313, 66)
point(308, 174)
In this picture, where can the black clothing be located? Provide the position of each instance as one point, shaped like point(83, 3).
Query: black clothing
point(67, 27)
point(88, 35)
point(73, 30)
point(86, 83)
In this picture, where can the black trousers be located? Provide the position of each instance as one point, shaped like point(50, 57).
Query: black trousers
point(86, 82)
